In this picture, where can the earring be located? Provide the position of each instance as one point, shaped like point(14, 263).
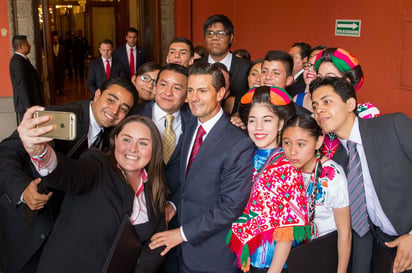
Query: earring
point(279, 137)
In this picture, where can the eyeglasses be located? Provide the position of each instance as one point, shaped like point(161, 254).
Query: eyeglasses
point(219, 33)
point(307, 66)
point(147, 78)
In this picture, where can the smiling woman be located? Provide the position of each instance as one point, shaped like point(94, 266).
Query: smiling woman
point(100, 189)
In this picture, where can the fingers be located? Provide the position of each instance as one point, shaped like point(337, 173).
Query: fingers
point(403, 258)
point(33, 198)
point(169, 239)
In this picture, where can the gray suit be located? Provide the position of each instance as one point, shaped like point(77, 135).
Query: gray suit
point(388, 148)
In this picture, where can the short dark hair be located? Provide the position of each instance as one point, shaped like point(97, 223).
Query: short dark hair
point(148, 67)
point(123, 82)
point(262, 95)
point(201, 68)
point(305, 49)
point(133, 30)
point(281, 56)
point(183, 40)
point(18, 41)
point(306, 122)
point(107, 42)
point(341, 86)
point(175, 68)
point(219, 18)
point(242, 53)
point(201, 50)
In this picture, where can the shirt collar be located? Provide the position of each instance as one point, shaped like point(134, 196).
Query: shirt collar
point(159, 114)
point(94, 128)
point(104, 59)
point(129, 47)
point(227, 60)
point(21, 54)
point(208, 125)
point(297, 74)
point(354, 135)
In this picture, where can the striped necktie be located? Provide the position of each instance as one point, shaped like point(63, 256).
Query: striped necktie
point(196, 145)
point(169, 138)
point(357, 200)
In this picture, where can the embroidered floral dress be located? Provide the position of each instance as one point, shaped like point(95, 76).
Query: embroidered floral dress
point(276, 210)
point(332, 192)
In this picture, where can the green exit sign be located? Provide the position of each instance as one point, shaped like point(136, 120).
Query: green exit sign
point(348, 28)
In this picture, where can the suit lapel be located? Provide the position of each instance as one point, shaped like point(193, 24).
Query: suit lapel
point(213, 138)
point(371, 153)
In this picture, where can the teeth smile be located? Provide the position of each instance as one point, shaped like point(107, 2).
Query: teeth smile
point(131, 157)
point(108, 116)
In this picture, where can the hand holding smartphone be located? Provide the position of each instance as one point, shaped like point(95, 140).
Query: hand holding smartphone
point(64, 124)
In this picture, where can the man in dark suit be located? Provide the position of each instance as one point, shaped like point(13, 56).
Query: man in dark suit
point(214, 181)
point(27, 215)
point(24, 78)
point(219, 34)
point(300, 53)
point(380, 150)
point(130, 54)
point(169, 99)
point(104, 67)
point(59, 61)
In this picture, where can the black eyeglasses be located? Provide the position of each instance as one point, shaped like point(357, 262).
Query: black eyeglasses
point(307, 65)
point(147, 78)
point(219, 33)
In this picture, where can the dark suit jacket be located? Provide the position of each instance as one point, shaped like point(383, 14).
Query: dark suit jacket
point(26, 84)
point(297, 86)
point(239, 69)
point(96, 199)
point(23, 232)
point(59, 67)
point(173, 166)
point(213, 194)
point(388, 148)
point(97, 74)
point(121, 54)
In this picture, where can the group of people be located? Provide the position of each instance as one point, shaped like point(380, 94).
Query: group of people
point(165, 146)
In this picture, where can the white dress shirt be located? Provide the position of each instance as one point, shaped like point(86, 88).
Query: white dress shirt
point(227, 60)
point(375, 211)
point(94, 128)
point(158, 117)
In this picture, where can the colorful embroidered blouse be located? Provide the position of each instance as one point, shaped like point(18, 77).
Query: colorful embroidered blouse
point(276, 210)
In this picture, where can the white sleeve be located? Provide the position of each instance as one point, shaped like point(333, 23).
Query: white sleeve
point(337, 196)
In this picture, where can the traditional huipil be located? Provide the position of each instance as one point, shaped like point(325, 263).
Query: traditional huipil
point(276, 210)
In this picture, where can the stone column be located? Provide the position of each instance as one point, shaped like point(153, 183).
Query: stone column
point(167, 25)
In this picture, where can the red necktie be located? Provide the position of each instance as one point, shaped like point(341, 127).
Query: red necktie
point(131, 62)
point(107, 69)
point(196, 145)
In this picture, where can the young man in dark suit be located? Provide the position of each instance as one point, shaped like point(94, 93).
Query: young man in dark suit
point(24, 78)
point(104, 67)
point(215, 177)
point(28, 215)
point(219, 33)
point(378, 155)
point(130, 54)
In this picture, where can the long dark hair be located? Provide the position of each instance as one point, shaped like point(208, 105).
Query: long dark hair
point(155, 178)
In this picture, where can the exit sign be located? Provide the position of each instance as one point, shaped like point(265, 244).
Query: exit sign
point(348, 28)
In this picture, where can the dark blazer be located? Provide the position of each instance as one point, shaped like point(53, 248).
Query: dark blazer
point(26, 83)
point(173, 166)
point(121, 54)
point(59, 67)
point(22, 231)
point(96, 74)
point(388, 148)
point(297, 86)
point(239, 69)
point(213, 194)
point(95, 202)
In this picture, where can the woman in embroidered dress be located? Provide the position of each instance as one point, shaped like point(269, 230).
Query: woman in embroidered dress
point(325, 184)
point(100, 190)
point(337, 62)
point(276, 212)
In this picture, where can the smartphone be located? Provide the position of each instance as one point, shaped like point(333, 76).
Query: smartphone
point(64, 124)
